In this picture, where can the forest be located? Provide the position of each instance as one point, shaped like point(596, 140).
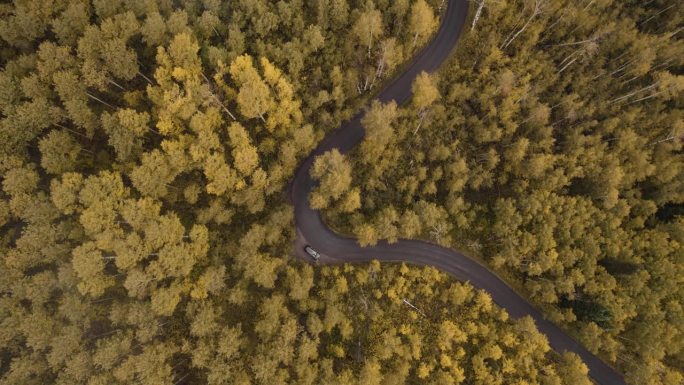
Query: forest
point(550, 148)
point(145, 234)
point(146, 147)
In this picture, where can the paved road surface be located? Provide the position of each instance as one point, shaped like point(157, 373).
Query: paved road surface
point(337, 249)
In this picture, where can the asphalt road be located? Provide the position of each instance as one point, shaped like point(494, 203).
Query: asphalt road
point(338, 249)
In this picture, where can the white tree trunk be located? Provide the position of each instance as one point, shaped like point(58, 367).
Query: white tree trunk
point(216, 99)
point(100, 100)
point(537, 11)
point(478, 13)
point(413, 307)
point(567, 65)
point(633, 93)
point(145, 77)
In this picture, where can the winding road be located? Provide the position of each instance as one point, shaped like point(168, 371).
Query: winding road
point(338, 249)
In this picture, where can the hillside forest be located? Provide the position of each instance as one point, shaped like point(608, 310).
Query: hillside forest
point(145, 235)
point(549, 147)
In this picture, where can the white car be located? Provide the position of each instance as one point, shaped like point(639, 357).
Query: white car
point(312, 253)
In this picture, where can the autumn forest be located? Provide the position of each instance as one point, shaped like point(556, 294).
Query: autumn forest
point(147, 146)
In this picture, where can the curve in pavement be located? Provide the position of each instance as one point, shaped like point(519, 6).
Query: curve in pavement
point(339, 249)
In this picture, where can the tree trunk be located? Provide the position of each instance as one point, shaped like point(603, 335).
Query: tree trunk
point(633, 93)
point(217, 99)
point(116, 84)
point(667, 8)
point(72, 131)
point(145, 77)
point(567, 65)
point(100, 100)
point(537, 6)
point(370, 44)
point(422, 115)
point(646, 97)
point(477, 14)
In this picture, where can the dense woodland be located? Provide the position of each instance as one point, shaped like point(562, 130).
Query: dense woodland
point(144, 231)
point(551, 147)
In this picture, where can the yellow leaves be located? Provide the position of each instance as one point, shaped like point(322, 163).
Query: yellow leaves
point(538, 164)
point(493, 352)
point(179, 73)
point(20, 180)
point(333, 171)
point(4, 213)
point(163, 230)
point(183, 52)
point(341, 285)
point(457, 374)
point(59, 152)
point(64, 192)
point(422, 21)
point(508, 339)
point(424, 370)
point(371, 373)
point(572, 370)
point(351, 201)
point(483, 301)
point(271, 96)
point(450, 333)
point(138, 213)
point(130, 251)
point(368, 28)
point(245, 156)
point(445, 360)
point(392, 294)
point(254, 97)
point(670, 85)
point(164, 300)
point(264, 271)
point(240, 185)
point(211, 281)
point(242, 69)
point(88, 263)
point(336, 350)
point(361, 276)
point(272, 74)
point(106, 187)
point(425, 91)
point(165, 125)
point(366, 235)
point(221, 177)
point(377, 124)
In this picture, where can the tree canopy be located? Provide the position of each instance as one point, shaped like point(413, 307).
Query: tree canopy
point(550, 146)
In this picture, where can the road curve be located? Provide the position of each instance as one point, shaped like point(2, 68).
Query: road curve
point(338, 249)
